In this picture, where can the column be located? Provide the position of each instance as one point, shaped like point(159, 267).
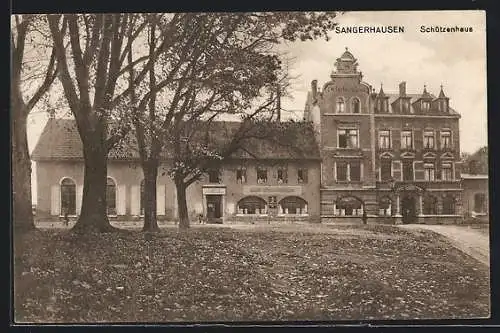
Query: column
point(121, 199)
point(135, 200)
point(398, 208)
point(160, 199)
point(79, 196)
point(349, 172)
point(55, 200)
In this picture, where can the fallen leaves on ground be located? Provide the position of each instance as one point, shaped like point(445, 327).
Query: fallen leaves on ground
point(224, 274)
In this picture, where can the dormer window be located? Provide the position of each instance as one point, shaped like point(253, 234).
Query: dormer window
point(442, 106)
point(406, 106)
point(355, 105)
point(340, 106)
point(426, 105)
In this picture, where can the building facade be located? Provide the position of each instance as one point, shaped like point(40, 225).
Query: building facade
point(278, 185)
point(394, 156)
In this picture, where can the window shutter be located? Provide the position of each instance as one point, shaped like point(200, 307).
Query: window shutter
point(55, 200)
point(135, 197)
point(79, 196)
point(396, 139)
point(160, 199)
point(419, 170)
point(397, 173)
point(121, 200)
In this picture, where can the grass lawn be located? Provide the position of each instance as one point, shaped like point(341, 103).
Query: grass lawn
point(247, 273)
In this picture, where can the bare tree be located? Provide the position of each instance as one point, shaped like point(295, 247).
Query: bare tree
point(26, 30)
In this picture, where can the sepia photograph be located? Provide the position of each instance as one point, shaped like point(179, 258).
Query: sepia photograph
point(225, 167)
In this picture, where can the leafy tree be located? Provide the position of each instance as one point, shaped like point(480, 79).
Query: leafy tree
point(92, 73)
point(31, 77)
point(213, 66)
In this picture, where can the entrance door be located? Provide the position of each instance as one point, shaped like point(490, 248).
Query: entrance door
point(214, 208)
point(408, 209)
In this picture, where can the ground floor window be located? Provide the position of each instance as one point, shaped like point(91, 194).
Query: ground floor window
point(385, 169)
point(68, 197)
point(429, 205)
point(349, 206)
point(479, 202)
point(448, 205)
point(385, 206)
point(111, 196)
point(293, 205)
point(252, 205)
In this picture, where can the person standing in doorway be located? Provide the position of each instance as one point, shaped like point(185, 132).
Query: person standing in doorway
point(364, 217)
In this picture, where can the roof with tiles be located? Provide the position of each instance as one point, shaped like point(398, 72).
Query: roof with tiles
point(60, 141)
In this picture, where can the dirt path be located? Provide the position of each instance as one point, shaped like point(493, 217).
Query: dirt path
point(468, 240)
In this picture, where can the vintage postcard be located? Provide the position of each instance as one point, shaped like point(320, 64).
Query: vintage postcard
point(264, 166)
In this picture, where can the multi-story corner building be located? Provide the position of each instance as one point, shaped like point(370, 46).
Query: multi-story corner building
point(393, 155)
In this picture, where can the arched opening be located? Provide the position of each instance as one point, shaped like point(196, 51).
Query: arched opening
point(293, 205)
point(385, 206)
point(111, 196)
point(142, 198)
point(340, 105)
point(349, 206)
point(409, 210)
point(252, 205)
point(448, 205)
point(356, 105)
point(68, 197)
point(479, 203)
point(429, 205)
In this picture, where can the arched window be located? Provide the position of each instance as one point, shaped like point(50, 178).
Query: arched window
point(349, 206)
point(429, 205)
point(293, 205)
point(385, 206)
point(448, 205)
point(111, 196)
point(143, 203)
point(479, 203)
point(68, 197)
point(252, 205)
point(356, 105)
point(340, 106)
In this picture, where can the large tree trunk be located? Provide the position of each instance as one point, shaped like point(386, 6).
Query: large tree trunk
point(150, 170)
point(93, 216)
point(21, 170)
point(182, 204)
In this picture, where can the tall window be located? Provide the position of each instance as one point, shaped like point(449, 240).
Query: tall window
point(430, 205)
point(385, 169)
point(282, 175)
point(406, 140)
point(355, 171)
point(347, 138)
point(429, 171)
point(68, 197)
point(448, 205)
point(446, 171)
point(428, 139)
point(355, 105)
point(342, 171)
point(384, 139)
point(214, 176)
point(445, 139)
point(426, 105)
point(261, 175)
point(407, 170)
point(111, 196)
point(340, 106)
point(302, 176)
point(479, 202)
point(241, 175)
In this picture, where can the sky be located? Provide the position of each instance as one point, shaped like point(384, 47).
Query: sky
point(455, 60)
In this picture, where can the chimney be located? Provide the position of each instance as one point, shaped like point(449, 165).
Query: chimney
point(314, 88)
point(402, 89)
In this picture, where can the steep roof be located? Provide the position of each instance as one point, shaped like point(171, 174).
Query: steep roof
point(413, 98)
point(60, 141)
